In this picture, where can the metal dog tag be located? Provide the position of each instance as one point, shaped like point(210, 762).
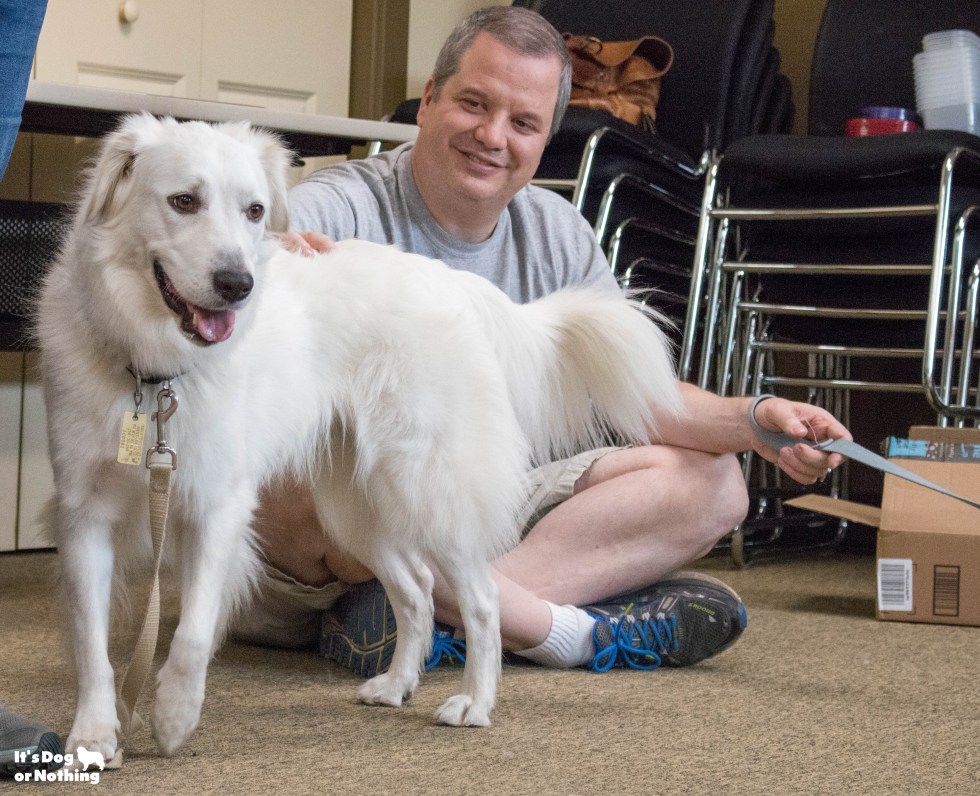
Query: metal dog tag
point(131, 438)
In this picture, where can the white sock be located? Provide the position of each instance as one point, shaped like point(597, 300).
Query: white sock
point(568, 643)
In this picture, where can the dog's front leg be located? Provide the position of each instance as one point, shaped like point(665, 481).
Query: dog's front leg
point(408, 583)
point(86, 554)
point(214, 563)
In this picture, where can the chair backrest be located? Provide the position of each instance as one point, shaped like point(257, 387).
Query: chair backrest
point(710, 40)
point(863, 54)
point(30, 234)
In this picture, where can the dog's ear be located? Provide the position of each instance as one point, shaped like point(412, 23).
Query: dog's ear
point(114, 163)
point(276, 159)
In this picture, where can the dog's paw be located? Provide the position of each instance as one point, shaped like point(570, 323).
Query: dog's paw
point(461, 711)
point(176, 712)
point(385, 689)
point(173, 724)
point(101, 738)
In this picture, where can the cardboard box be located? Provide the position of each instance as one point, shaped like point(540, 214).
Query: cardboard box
point(928, 543)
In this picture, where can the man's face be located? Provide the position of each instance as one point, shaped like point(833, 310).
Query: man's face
point(482, 138)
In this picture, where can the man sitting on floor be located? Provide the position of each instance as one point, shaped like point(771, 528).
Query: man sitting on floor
point(594, 581)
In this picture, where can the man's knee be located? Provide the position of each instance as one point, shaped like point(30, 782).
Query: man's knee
point(732, 491)
point(728, 498)
point(719, 498)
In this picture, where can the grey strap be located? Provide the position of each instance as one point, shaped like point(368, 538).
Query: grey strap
point(851, 450)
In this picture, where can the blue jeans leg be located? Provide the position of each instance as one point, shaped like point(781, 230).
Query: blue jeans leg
point(20, 25)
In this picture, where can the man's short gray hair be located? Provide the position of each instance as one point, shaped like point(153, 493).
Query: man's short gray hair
point(524, 31)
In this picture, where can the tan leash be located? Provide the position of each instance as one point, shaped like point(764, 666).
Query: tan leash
point(159, 501)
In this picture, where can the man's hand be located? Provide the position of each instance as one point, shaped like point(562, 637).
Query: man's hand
point(801, 462)
point(307, 244)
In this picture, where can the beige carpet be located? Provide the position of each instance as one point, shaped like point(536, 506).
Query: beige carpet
point(817, 698)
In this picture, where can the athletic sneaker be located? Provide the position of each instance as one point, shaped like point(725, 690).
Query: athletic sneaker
point(679, 621)
point(21, 740)
point(359, 633)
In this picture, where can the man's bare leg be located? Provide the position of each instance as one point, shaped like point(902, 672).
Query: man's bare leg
point(637, 515)
point(292, 540)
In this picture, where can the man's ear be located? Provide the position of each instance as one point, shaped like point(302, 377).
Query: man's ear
point(428, 97)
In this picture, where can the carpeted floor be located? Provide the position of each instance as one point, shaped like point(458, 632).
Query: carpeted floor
point(818, 697)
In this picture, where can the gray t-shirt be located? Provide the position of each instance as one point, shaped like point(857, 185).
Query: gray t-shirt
point(540, 244)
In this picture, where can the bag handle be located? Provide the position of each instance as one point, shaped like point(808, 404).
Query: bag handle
point(612, 53)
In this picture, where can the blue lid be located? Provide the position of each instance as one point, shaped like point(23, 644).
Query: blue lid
point(886, 112)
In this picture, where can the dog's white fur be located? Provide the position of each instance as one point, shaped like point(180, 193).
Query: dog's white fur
point(411, 396)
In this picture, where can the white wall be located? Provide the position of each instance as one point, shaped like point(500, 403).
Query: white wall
point(429, 23)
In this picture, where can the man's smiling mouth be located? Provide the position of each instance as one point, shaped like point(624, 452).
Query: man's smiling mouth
point(480, 161)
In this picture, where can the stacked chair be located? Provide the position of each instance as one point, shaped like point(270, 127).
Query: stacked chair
point(643, 191)
point(843, 270)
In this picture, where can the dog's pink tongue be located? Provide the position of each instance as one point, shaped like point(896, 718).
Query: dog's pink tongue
point(214, 326)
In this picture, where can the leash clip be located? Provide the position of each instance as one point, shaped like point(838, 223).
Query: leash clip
point(166, 406)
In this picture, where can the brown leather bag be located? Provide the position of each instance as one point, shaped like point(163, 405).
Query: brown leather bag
point(622, 77)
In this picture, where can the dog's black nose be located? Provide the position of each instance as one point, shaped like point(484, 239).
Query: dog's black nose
point(232, 284)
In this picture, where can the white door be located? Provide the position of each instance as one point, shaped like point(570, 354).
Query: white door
point(36, 477)
point(291, 55)
point(89, 43)
point(11, 380)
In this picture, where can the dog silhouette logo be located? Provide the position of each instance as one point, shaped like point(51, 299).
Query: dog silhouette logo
point(87, 758)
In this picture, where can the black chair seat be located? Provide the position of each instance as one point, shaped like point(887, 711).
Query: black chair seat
point(632, 151)
point(817, 160)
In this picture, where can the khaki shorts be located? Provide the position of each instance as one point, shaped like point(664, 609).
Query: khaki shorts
point(287, 613)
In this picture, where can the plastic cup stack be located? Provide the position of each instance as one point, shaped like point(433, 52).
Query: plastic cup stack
point(947, 81)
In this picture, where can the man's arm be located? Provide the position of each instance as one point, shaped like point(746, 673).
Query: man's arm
point(721, 425)
point(319, 205)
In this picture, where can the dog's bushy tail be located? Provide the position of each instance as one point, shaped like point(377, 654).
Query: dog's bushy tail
point(587, 368)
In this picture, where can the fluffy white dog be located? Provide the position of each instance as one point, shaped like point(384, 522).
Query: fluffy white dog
point(411, 397)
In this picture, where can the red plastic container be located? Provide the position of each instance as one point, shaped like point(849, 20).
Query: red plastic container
point(862, 125)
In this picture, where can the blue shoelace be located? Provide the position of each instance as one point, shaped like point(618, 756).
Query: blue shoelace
point(445, 646)
point(637, 643)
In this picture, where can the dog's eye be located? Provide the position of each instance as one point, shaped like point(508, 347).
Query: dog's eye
point(185, 203)
point(255, 212)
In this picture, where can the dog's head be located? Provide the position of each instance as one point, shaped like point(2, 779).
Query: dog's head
point(187, 206)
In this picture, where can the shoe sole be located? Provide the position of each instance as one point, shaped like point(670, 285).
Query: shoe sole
point(364, 663)
point(370, 616)
point(698, 577)
point(49, 742)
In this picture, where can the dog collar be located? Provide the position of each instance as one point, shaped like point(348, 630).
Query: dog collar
point(147, 380)
point(143, 378)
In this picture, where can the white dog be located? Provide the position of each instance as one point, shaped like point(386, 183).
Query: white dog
point(410, 396)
